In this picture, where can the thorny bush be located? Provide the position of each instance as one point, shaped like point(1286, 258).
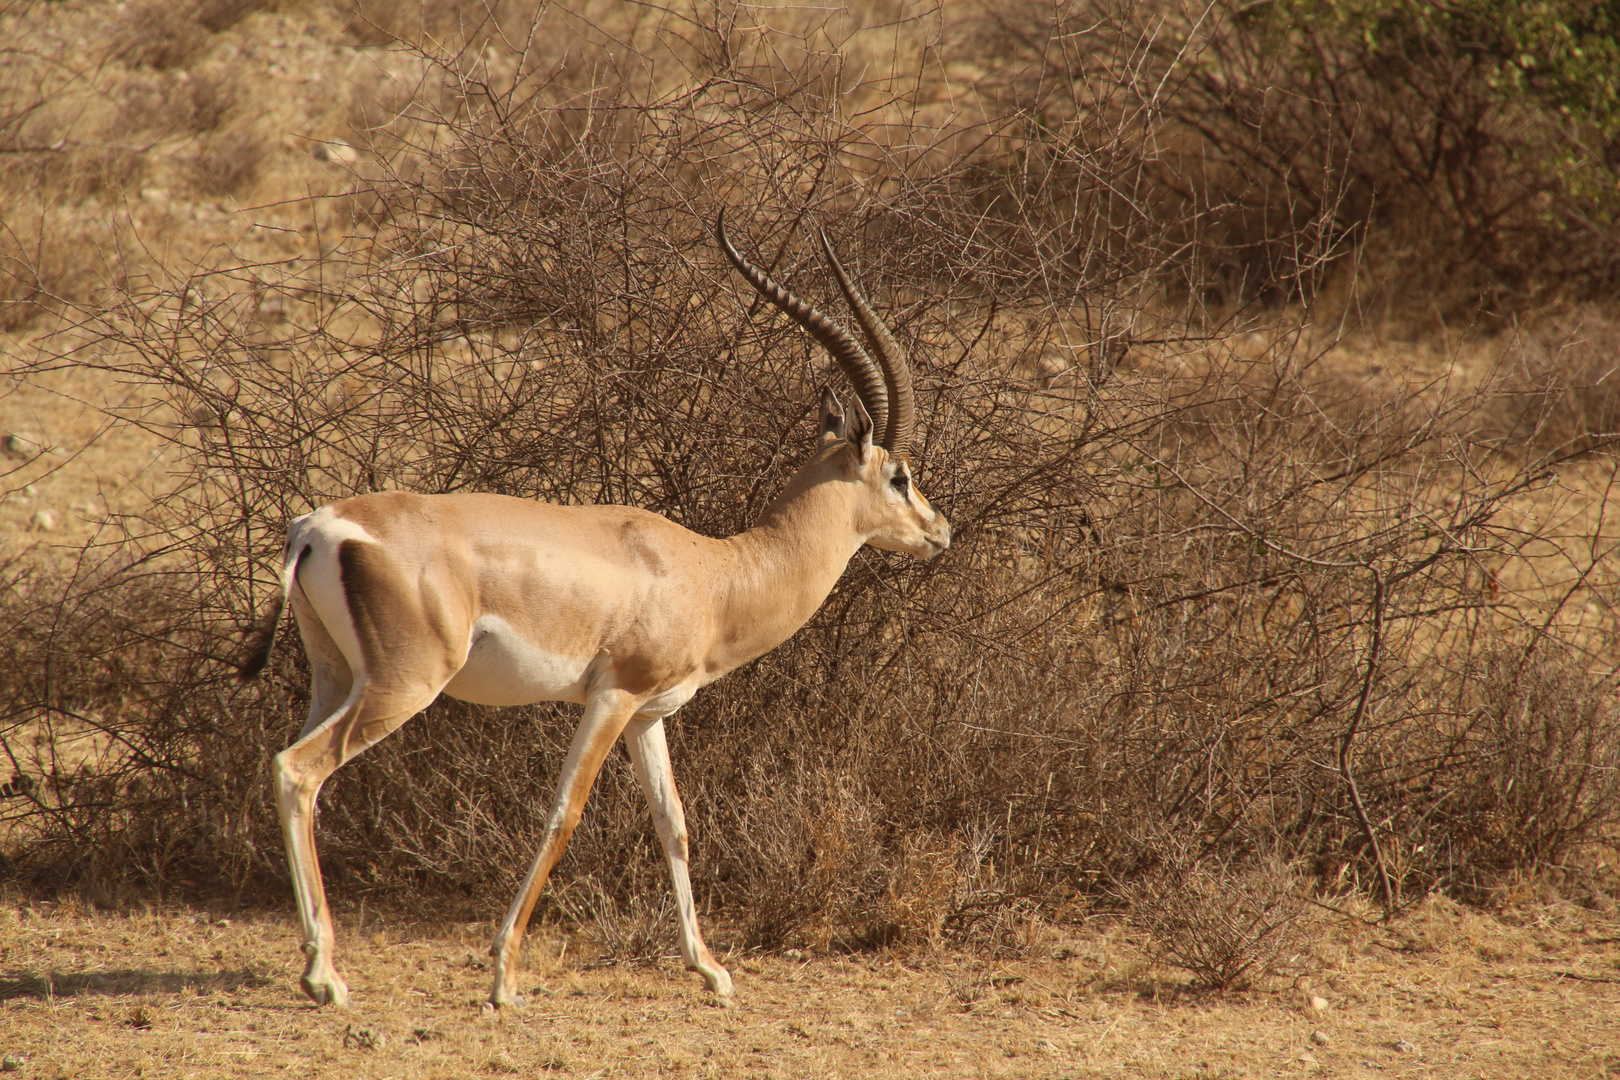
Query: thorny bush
point(1388, 159)
point(1210, 588)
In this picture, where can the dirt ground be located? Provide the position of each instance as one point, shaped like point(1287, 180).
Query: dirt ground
point(1530, 991)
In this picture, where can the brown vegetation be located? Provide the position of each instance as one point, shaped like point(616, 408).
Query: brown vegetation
point(1226, 620)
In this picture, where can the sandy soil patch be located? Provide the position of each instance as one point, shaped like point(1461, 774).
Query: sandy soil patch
point(182, 993)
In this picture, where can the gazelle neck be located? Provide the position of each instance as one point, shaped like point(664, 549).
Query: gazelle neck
point(785, 565)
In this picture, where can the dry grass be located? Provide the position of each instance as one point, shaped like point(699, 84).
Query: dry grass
point(1533, 991)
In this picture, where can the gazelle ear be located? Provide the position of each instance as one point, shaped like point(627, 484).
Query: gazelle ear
point(859, 433)
point(832, 417)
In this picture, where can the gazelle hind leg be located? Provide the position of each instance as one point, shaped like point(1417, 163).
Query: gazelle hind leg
point(606, 713)
point(365, 717)
point(331, 681)
point(299, 771)
point(649, 757)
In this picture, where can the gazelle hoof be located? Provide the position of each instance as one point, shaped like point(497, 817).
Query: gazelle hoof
point(504, 994)
point(719, 981)
point(513, 1001)
point(328, 991)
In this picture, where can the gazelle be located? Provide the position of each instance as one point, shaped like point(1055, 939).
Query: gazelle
point(504, 601)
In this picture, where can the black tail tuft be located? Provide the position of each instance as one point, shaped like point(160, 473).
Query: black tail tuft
point(259, 644)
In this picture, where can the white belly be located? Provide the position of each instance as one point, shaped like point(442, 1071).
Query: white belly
point(504, 669)
point(666, 702)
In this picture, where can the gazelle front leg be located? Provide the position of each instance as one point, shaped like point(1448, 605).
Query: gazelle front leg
point(606, 714)
point(649, 756)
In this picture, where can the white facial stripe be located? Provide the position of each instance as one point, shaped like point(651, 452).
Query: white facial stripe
point(902, 467)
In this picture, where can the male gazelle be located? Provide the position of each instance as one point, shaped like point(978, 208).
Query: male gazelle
point(504, 601)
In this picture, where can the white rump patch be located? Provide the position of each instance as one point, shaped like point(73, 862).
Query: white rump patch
point(320, 577)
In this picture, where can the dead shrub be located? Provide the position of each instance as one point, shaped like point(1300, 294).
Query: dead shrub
point(62, 128)
point(90, 639)
point(49, 259)
point(227, 161)
point(158, 35)
point(166, 103)
point(217, 16)
point(170, 36)
point(633, 926)
point(1561, 386)
point(1543, 776)
point(1398, 151)
point(1230, 925)
point(1187, 570)
point(465, 23)
point(211, 98)
point(67, 176)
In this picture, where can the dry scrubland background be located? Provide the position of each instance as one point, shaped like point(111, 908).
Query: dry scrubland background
point(1260, 373)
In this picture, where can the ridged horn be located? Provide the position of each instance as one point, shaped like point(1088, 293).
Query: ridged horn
point(891, 358)
point(867, 378)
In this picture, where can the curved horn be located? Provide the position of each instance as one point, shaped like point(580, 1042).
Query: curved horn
point(867, 378)
point(891, 358)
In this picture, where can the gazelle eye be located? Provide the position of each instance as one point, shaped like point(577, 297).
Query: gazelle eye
point(901, 482)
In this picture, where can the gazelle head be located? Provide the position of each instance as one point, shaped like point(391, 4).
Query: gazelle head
point(888, 510)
